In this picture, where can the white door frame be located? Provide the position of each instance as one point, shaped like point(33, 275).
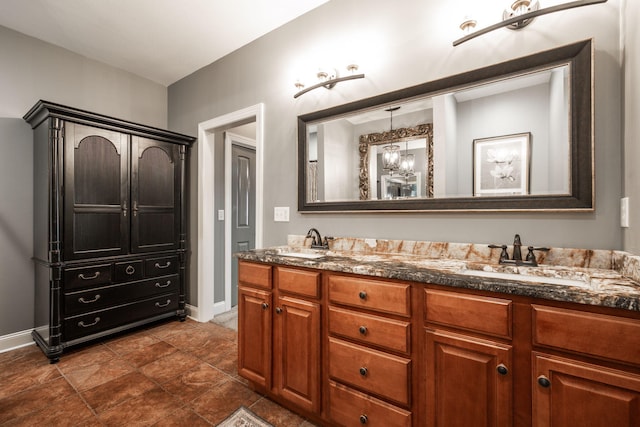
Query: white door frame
point(206, 197)
point(229, 139)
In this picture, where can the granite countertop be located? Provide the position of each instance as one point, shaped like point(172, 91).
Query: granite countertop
point(602, 278)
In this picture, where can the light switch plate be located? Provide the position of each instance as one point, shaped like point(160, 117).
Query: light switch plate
point(624, 212)
point(221, 215)
point(281, 214)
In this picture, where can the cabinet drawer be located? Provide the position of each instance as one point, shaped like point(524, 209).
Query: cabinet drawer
point(101, 320)
point(300, 282)
point(370, 370)
point(391, 334)
point(128, 271)
point(93, 299)
point(252, 274)
point(83, 277)
point(351, 408)
point(375, 295)
point(161, 266)
point(492, 316)
point(599, 335)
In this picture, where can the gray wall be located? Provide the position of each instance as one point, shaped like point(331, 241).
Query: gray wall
point(631, 39)
point(31, 70)
point(397, 47)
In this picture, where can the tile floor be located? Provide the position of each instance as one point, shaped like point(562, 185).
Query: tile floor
point(169, 374)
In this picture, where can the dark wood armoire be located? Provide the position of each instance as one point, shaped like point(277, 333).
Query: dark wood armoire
point(109, 225)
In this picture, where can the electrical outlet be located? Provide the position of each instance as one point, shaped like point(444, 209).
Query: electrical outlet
point(624, 212)
point(281, 214)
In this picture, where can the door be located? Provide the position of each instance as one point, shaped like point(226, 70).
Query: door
point(571, 393)
point(469, 382)
point(96, 188)
point(254, 337)
point(243, 222)
point(155, 195)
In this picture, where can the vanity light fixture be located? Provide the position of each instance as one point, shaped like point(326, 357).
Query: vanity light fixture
point(328, 79)
point(517, 16)
point(391, 152)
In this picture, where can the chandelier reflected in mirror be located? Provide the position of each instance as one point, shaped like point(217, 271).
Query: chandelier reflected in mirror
point(407, 162)
point(391, 152)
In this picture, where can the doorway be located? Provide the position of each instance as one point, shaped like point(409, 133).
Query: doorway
point(208, 240)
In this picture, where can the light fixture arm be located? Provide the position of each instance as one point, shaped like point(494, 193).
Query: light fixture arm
point(329, 83)
point(526, 16)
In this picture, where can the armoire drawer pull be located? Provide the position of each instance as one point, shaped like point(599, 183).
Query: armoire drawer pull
point(167, 265)
point(130, 270)
point(94, 276)
point(158, 285)
point(86, 325)
point(84, 301)
point(163, 305)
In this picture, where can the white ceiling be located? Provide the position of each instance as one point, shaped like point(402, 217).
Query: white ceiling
point(162, 40)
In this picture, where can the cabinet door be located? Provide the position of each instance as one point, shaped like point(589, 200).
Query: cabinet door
point(572, 393)
point(96, 192)
point(254, 335)
point(469, 382)
point(155, 195)
point(297, 352)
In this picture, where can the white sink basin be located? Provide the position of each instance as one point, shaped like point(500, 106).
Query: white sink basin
point(305, 255)
point(516, 277)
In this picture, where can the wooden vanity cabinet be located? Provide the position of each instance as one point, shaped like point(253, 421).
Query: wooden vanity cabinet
point(109, 225)
point(279, 342)
point(469, 378)
point(593, 376)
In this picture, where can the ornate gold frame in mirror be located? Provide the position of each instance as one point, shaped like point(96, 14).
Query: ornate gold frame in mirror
point(395, 135)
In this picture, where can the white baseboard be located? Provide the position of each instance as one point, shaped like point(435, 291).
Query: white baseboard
point(16, 340)
point(193, 313)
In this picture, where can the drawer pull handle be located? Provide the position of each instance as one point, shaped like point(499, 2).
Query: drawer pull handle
point(362, 330)
point(362, 295)
point(130, 270)
point(544, 381)
point(86, 325)
point(364, 371)
point(363, 419)
point(84, 301)
point(163, 266)
point(83, 277)
point(502, 370)
point(278, 310)
point(163, 305)
point(158, 285)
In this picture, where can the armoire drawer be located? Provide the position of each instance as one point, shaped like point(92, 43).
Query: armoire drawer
point(128, 271)
point(88, 276)
point(101, 320)
point(373, 371)
point(349, 407)
point(89, 300)
point(161, 266)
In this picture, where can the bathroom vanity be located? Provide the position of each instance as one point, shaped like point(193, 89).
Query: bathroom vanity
point(399, 333)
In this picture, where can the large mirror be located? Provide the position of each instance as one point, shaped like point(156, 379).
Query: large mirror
point(513, 136)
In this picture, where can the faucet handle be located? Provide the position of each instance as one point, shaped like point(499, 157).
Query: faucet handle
point(503, 254)
point(531, 256)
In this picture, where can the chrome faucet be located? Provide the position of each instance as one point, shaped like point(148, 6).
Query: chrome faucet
point(316, 239)
point(516, 258)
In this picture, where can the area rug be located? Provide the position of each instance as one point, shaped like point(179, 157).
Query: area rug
point(243, 417)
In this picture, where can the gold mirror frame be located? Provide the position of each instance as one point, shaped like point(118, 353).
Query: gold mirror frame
point(395, 135)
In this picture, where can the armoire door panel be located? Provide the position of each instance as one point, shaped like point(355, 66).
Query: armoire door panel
point(155, 195)
point(96, 192)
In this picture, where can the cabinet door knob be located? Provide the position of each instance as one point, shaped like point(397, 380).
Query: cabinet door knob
point(265, 305)
point(363, 419)
point(502, 370)
point(544, 381)
point(362, 330)
point(362, 295)
point(364, 371)
point(278, 310)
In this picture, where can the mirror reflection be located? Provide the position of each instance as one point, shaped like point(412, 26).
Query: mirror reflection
point(503, 138)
